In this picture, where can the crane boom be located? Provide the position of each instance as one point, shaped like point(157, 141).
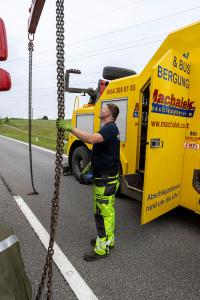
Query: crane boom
point(35, 13)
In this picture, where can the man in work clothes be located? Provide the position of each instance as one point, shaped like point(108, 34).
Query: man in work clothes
point(14, 283)
point(105, 165)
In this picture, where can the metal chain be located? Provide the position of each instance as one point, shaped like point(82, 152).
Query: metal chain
point(47, 272)
point(30, 49)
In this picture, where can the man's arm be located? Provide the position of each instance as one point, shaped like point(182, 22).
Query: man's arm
point(86, 137)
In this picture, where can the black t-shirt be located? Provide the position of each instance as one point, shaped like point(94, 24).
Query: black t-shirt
point(105, 156)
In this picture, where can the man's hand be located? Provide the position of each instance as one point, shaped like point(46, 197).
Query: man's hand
point(64, 125)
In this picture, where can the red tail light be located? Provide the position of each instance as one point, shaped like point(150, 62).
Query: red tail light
point(3, 42)
point(5, 81)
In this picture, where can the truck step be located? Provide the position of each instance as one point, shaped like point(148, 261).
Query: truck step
point(132, 185)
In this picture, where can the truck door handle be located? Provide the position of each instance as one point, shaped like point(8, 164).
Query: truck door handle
point(156, 143)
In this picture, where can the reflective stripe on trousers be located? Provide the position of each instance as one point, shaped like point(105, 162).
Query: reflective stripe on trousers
point(7, 243)
point(104, 212)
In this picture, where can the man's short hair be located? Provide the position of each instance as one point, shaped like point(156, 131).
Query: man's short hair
point(114, 109)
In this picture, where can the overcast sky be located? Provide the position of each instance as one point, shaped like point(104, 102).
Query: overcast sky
point(123, 33)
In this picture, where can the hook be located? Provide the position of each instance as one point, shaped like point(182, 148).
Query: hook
point(31, 39)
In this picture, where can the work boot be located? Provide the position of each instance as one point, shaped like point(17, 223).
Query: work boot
point(93, 256)
point(93, 243)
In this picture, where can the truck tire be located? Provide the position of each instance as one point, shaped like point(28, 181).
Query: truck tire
point(80, 159)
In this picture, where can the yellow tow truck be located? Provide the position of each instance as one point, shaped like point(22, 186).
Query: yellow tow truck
point(159, 125)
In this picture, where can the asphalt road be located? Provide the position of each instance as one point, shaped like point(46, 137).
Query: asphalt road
point(159, 260)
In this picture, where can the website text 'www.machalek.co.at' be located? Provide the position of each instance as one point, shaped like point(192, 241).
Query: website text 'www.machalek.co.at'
point(170, 124)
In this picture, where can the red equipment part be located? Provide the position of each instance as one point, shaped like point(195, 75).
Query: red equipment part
point(35, 13)
point(5, 81)
point(101, 86)
point(3, 41)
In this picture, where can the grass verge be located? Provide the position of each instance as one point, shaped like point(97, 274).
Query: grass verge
point(43, 131)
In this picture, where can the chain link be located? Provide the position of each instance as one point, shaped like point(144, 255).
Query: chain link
point(48, 267)
point(30, 49)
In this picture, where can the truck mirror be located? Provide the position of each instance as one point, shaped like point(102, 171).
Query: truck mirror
point(5, 81)
point(3, 42)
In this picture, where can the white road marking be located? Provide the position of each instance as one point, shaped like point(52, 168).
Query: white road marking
point(34, 146)
point(76, 282)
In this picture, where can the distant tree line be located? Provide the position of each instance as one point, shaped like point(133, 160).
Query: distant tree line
point(7, 119)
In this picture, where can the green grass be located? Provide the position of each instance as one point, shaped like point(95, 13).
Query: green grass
point(43, 131)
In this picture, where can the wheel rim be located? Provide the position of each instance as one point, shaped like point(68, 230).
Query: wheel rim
point(81, 164)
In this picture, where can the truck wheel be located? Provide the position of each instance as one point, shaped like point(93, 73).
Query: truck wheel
point(80, 159)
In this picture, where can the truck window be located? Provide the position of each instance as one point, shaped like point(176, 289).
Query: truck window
point(121, 122)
